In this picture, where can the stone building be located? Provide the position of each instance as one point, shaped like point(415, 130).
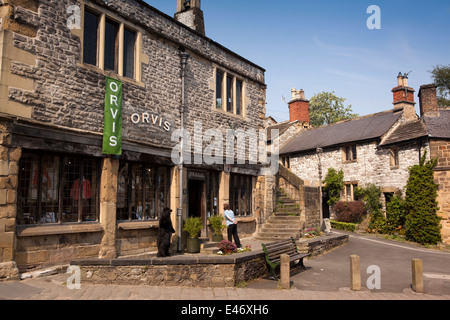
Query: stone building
point(68, 70)
point(378, 148)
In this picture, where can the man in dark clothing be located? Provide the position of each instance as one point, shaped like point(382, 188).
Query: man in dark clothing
point(165, 233)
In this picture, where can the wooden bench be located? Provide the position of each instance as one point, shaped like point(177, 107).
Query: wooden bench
point(274, 250)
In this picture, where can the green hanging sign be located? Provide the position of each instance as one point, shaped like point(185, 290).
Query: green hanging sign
point(112, 134)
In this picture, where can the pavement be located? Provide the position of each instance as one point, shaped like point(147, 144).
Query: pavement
point(326, 278)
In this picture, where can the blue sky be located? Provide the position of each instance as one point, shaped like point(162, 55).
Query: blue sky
point(325, 45)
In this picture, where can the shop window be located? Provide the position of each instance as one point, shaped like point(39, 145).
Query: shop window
point(143, 191)
point(241, 194)
point(57, 189)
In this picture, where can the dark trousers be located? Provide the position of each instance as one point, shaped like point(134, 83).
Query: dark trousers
point(232, 232)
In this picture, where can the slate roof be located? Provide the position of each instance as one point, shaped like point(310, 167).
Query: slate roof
point(438, 127)
point(360, 129)
point(406, 131)
point(282, 127)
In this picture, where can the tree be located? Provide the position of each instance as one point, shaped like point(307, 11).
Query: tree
point(441, 77)
point(422, 222)
point(326, 108)
point(334, 184)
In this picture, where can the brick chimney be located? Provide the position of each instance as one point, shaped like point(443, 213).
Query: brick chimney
point(428, 100)
point(189, 13)
point(404, 98)
point(299, 107)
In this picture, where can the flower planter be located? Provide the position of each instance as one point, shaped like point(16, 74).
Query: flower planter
point(193, 245)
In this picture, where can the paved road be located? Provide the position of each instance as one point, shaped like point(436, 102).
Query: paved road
point(327, 277)
point(330, 272)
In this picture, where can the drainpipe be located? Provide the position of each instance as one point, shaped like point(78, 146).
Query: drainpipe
point(184, 56)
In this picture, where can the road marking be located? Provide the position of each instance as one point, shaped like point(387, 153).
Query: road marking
point(437, 276)
point(394, 245)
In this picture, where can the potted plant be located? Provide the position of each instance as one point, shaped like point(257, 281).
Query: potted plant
point(217, 225)
point(193, 226)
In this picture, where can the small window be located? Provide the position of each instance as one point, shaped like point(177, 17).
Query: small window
point(90, 49)
point(349, 192)
point(219, 86)
point(229, 93)
point(129, 53)
point(286, 161)
point(394, 158)
point(351, 153)
point(111, 45)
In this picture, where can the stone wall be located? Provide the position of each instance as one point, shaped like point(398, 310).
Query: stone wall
point(441, 149)
point(70, 94)
point(372, 165)
point(45, 85)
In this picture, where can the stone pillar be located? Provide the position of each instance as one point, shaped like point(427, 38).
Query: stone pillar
point(355, 273)
point(417, 275)
point(108, 201)
point(9, 173)
point(224, 191)
point(285, 272)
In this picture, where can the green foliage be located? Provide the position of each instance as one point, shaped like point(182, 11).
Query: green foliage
point(422, 222)
point(193, 226)
point(343, 225)
point(441, 77)
point(326, 108)
point(216, 222)
point(396, 216)
point(371, 197)
point(334, 184)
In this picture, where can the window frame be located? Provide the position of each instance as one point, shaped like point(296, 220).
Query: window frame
point(236, 185)
point(60, 190)
point(350, 153)
point(120, 68)
point(229, 100)
point(128, 199)
point(394, 158)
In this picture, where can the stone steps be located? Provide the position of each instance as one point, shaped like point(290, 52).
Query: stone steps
point(284, 223)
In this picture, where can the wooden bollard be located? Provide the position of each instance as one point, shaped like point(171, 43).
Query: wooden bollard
point(285, 272)
point(355, 273)
point(417, 275)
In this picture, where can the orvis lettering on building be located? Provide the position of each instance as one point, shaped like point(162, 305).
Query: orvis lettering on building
point(112, 134)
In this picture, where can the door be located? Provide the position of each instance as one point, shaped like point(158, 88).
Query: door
point(197, 202)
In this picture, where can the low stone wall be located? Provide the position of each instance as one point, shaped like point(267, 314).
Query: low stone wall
point(184, 270)
point(318, 246)
point(192, 270)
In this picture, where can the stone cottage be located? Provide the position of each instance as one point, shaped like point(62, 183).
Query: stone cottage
point(377, 148)
point(92, 95)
